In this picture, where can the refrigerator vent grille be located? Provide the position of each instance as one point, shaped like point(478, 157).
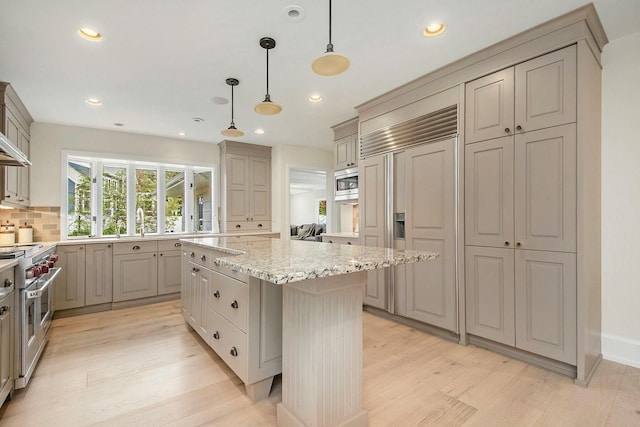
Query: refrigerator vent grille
point(432, 126)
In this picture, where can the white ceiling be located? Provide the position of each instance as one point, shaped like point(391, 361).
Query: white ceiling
point(161, 61)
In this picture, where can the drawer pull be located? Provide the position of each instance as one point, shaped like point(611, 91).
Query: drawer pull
point(177, 245)
point(136, 248)
point(203, 258)
point(234, 304)
point(216, 294)
point(192, 255)
point(4, 309)
point(195, 270)
point(238, 226)
point(216, 335)
point(8, 283)
point(348, 243)
point(234, 352)
point(259, 225)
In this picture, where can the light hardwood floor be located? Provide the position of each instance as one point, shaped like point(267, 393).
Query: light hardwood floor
point(140, 366)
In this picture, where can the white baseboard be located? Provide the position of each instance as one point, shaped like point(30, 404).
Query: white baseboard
point(621, 350)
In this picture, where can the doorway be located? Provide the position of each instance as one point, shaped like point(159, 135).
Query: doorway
point(307, 196)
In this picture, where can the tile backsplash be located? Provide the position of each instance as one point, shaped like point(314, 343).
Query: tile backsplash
point(44, 220)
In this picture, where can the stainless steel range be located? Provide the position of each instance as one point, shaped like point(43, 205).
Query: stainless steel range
point(35, 276)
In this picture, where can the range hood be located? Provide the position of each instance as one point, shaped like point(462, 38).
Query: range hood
point(10, 155)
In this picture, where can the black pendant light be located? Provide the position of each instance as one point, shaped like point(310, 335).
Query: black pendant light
point(232, 131)
point(330, 63)
point(267, 107)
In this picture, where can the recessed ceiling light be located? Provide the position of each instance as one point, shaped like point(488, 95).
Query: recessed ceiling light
point(294, 13)
point(182, 133)
point(315, 98)
point(89, 34)
point(118, 124)
point(93, 101)
point(219, 100)
point(259, 131)
point(434, 29)
point(198, 119)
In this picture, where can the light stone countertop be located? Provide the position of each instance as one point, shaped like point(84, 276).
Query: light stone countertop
point(282, 261)
point(346, 234)
point(152, 237)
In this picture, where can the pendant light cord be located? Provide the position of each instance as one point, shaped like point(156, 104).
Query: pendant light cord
point(267, 72)
point(330, 22)
point(232, 124)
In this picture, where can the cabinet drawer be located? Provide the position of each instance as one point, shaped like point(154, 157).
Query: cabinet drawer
point(124, 248)
point(341, 240)
point(224, 338)
point(169, 245)
point(240, 226)
point(229, 297)
point(199, 256)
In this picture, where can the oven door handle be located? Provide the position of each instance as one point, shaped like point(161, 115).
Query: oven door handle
point(37, 293)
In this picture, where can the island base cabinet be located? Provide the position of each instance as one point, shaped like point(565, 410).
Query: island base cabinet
point(320, 387)
point(238, 316)
point(6, 346)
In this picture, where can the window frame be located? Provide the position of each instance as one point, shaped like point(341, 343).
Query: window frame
point(99, 160)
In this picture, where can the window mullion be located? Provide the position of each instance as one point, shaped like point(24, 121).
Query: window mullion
point(131, 199)
point(160, 191)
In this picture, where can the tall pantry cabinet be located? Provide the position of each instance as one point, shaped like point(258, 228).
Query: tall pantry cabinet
point(246, 187)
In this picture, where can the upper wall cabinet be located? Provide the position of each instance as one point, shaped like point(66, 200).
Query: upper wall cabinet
point(246, 187)
point(15, 124)
point(535, 94)
point(345, 136)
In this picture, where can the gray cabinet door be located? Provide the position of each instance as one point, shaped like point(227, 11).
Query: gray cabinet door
point(490, 293)
point(545, 91)
point(6, 346)
point(343, 153)
point(11, 174)
point(372, 223)
point(70, 284)
point(185, 288)
point(99, 274)
point(135, 276)
point(260, 189)
point(489, 106)
point(430, 226)
point(169, 272)
point(489, 193)
point(546, 304)
point(237, 180)
point(545, 189)
point(23, 173)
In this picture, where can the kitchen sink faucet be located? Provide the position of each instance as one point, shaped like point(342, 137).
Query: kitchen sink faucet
point(140, 220)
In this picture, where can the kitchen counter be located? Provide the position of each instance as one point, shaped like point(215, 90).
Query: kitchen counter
point(149, 237)
point(322, 288)
point(283, 261)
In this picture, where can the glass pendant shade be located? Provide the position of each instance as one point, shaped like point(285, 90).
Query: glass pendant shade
point(231, 131)
point(330, 63)
point(267, 107)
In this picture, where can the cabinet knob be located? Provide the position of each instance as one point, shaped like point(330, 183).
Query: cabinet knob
point(216, 294)
point(109, 245)
point(155, 254)
point(216, 335)
point(203, 258)
point(234, 304)
point(506, 243)
point(348, 243)
point(7, 196)
point(507, 130)
point(330, 241)
point(259, 225)
point(518, 127)
point(161, 254)
point(136, 248)
point(234, 352)
point(4, 309)
point(518, 244)
point(251, 219)
point(238, 225)
point(177, 245)
point(192, 255)
point(8, 283)
point(195, 270)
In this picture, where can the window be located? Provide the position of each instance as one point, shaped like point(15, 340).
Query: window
point(111, 197)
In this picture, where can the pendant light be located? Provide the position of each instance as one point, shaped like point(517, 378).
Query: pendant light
point(232, 131)
point(267, 107)
point(329, 63)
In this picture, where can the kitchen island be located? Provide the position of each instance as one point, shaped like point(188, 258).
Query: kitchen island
point(321, 318)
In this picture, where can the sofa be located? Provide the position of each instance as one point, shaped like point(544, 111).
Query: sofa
point(309, 232)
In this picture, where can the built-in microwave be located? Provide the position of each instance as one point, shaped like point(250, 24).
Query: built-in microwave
point(346, 186)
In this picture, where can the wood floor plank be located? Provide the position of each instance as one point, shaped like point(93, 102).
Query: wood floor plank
point(141, 366)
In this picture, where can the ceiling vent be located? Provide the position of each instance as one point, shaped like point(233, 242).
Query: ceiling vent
point(432, 126)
